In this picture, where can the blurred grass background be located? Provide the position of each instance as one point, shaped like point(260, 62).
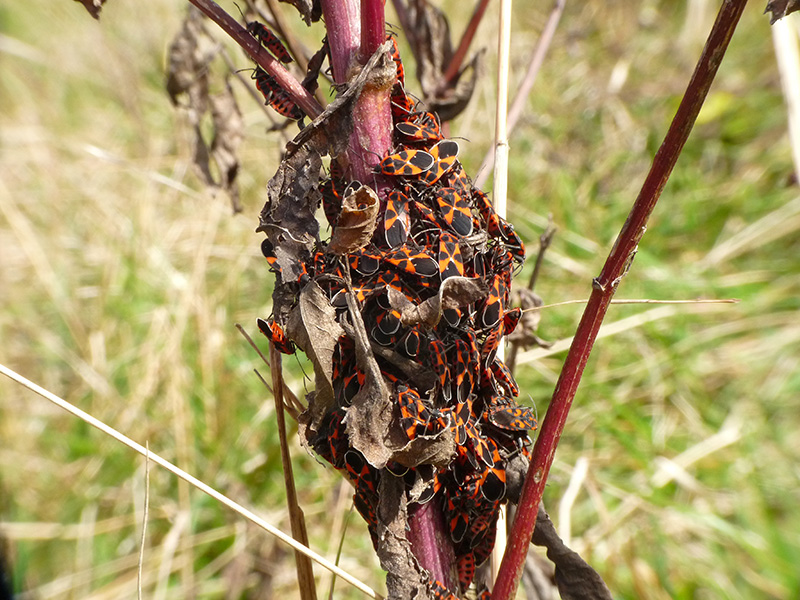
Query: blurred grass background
point(122, 279)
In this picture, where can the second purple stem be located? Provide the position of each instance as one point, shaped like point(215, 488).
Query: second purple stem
point(603, 288)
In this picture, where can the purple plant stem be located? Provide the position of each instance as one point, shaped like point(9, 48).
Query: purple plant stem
point(428, 536)
point(603, 288)
point(373, 28)
point(430, 542)
point(342, 23)
point(262, 57)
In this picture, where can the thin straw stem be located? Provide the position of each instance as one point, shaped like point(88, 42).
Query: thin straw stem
point(499, 195)
point(238, 508)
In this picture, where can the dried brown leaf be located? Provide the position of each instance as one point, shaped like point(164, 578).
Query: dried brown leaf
point(187, 66)
point(190, 54)
point(575, 579)
point(450, 101)
point(228, 136)
point(93, 6)
point(525, 333)
point(455, 292)
point(432, 48)
point(369, 417)
point(313, 327)
point(437, 450)
point(288, 219)
point(781, 8)
point(310, 10)
point(356, 222)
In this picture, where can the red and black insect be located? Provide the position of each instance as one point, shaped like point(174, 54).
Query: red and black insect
point(407, 163)
point(466, 569)
point(415, 417)
point(504, 378)
point(454, 210)
point(276, 334)
point(444, 154)
point(331, 441)
point(492, 482)
point(512, 417)
point(275, 96)
point(346, 387)
point(491, 312)
point(413, 262)
point(439, 591)
point(396, 220)
point(270, 41)
point(420, 128)
point(451, 264)
point(463, 370)
point(459, 521)
point(491, 344)
point(365, 263)
point(402, 104)
point(438, 358)
point(360, 471)
point(511, 320)
point(296, 271)
point(401, 73)
point(387, 324)
point(409, 345)
point(365, 504)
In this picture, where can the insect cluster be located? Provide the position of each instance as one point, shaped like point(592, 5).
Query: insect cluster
point(429, 226)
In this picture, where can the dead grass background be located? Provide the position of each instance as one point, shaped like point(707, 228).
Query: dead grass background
point(122, 279)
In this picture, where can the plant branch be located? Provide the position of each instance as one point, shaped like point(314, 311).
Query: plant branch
point(603, 288)
point(305, 572)
point(263, 58)
point(463, 46)
point(342, 23)
point(373, 28)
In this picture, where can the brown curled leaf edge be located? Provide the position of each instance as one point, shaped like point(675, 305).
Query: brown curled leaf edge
point(781, 8)
point(92, 6)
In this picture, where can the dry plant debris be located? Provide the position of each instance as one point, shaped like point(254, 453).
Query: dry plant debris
point(402, 311)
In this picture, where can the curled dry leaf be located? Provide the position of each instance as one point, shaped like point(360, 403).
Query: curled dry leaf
point(311, 80)
point(781, 8)
point(93, 6)
point(288, 219)
point(310, 10)
point(356, 222)
point(451, 100)
point(525, 333)
point(190, 54)
point(187, 68)
point(228, 135)
point(312, 326)
point(454, 292)
point(575, 579)
point(369, 417)
point(430, 43)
